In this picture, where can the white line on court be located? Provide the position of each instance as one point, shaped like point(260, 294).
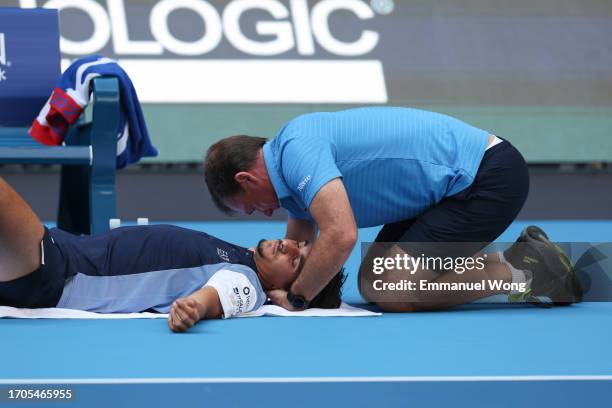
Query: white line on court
point(500, 378)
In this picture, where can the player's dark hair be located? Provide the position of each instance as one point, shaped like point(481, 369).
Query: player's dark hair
point(226, 158)
point(331, 295)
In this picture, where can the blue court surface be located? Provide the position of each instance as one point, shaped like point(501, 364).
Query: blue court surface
point(478, 355)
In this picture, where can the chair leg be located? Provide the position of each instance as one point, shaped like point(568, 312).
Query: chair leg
point(74, 204)
point(102, 202)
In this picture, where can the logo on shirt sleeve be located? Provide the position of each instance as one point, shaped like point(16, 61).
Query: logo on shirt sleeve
point(243, 300)
point(223, 254)
point(236, 292)
point(303, 183)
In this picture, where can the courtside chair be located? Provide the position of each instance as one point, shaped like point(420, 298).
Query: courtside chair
point(88, 156)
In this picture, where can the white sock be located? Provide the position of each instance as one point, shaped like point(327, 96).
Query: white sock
point(518, 276)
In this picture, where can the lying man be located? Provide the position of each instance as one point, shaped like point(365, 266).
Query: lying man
point(162, 268)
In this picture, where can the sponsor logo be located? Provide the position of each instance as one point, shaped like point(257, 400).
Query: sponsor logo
point(292, 25)
point(289, 26)
point(303, 183)
point(242, 304)
point(223, 254)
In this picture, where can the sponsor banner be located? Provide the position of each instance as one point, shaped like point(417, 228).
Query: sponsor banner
point(240, 51)
point(448, 52)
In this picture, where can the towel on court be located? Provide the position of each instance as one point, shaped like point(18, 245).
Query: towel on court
point(72, 94)
point(344, 310)
point(266, 310)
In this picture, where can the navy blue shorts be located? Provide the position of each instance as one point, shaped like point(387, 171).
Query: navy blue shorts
point(479, 214)
point(41, 288)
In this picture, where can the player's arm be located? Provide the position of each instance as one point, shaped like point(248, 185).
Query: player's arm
point(333, 214)
point(200, 305)
point(300, 230)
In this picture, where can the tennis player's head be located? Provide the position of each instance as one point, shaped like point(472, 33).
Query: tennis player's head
point(237, 177)
point(279, 263)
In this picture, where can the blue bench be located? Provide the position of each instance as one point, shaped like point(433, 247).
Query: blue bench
point(88, 161)
point(88, 156)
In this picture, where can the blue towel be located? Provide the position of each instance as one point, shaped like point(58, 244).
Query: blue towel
point(72, 94)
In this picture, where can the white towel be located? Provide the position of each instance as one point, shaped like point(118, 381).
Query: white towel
point(343, 310)
point(267, 310)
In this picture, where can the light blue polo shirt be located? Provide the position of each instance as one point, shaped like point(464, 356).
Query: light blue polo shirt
point(395, 162)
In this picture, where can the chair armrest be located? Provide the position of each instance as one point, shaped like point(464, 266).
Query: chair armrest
point(103, 138)
point(105, 118)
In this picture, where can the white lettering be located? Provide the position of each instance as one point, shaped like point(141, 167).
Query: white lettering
point(303, 183)
point(416, 263)
point(283, 41)
point(495, 285)
point(500, 285)
point(402, 285)
point(294, 27)
point(303, 30)
point(389, 263)
point(320, 27)
point(377, 266)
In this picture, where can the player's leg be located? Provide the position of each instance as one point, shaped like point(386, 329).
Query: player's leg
point(21, 233)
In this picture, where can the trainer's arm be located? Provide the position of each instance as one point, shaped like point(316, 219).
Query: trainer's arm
point(333, 214)
point(200, 305)
point(300, 230)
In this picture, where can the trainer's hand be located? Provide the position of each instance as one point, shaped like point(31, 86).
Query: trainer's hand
point(183, 314)
point(279, 298)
